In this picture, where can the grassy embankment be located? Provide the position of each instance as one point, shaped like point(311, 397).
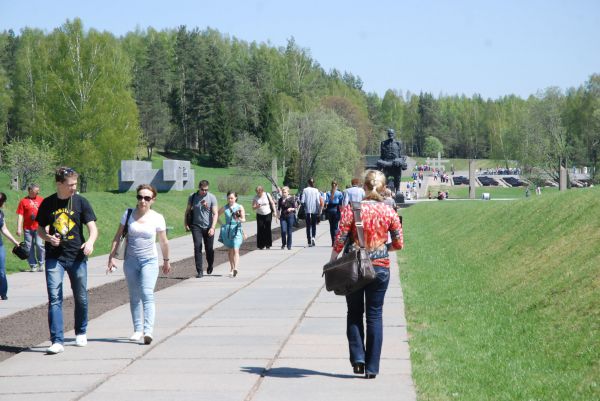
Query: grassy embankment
point(503, 298)
point(109, 206)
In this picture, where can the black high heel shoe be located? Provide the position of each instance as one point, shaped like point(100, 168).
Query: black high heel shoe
point(359, 368)
point(370, 376)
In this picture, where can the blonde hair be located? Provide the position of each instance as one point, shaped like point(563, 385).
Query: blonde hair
point(374, 185)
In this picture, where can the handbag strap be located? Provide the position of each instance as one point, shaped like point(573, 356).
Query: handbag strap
point(359, 225)
point(126, 228)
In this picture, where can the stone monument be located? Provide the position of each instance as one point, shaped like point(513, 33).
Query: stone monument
point(175, 175)
point(391, 160)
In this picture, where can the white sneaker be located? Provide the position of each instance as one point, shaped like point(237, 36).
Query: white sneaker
point(55, 348)
point(81, 340)
point(40, 268)
point(147, 338)
point(137, 336)
point(32, 268)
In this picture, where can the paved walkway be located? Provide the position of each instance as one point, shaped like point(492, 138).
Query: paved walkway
point(272, 333)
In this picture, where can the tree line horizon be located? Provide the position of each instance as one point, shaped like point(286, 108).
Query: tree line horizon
point(90, 99)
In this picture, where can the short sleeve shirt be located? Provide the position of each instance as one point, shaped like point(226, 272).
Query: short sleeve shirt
point(66, 217)
point(141, 237)
point(202, 214)
point(28, 208)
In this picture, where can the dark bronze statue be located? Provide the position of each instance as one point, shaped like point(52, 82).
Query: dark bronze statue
point(391, 160)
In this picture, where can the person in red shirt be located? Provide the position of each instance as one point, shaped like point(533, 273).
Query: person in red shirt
point(26, 214)
point(378, 219)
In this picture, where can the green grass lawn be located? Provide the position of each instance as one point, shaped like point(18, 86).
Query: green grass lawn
point(503, 298)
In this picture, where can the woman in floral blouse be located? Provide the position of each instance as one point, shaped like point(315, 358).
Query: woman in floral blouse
point(378, 220)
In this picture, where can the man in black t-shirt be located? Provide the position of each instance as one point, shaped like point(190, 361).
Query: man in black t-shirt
point(61, 218)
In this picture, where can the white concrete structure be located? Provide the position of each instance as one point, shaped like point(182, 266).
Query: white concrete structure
point(175, 175)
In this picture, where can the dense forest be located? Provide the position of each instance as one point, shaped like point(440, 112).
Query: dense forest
point(90, 99)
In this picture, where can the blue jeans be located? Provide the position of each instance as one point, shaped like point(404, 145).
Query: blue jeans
point(373, 294)
point(34, 243)
point(287, 225)
point(141, 275)
point(3, 281)
point(311, 226)
point(55, 271)
point(333, 215)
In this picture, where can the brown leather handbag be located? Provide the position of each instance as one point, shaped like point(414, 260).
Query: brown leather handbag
point(354, 270)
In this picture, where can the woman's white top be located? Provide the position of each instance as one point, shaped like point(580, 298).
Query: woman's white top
point(141, 237)
point(263, 201)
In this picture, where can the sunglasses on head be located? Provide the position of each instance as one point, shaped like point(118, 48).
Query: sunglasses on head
point(66, 171)
point(146, 198)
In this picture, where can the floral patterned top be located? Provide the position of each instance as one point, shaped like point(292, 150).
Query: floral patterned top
point(378, 219)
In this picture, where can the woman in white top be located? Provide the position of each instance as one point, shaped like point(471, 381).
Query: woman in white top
point(141, 260)
point(264, 206)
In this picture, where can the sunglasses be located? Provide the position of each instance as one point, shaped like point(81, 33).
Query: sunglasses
point(66, 171)
point(146, 198)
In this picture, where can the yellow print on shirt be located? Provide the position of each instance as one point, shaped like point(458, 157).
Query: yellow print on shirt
point(63, 223)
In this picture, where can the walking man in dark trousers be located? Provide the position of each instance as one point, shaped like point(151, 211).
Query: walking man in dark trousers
point(201, 217)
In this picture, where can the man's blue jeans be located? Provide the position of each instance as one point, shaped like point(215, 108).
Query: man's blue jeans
point(141, 275)
point(3, 281)
point(55, 271)
point(369, 299)
point(287, 226)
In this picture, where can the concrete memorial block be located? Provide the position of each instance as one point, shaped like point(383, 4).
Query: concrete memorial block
point(175, 175)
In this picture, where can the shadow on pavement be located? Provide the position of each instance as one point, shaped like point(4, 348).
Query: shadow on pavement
point(292, 373)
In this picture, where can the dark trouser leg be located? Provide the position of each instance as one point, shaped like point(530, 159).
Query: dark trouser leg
point(374, 295)
point(208, 248)
point(354, 326)
point(291, 219)
point(263, 231)
point(197, 237)
point(334, 219)
point(268, 238)
point(311, 226)
point(308, 226)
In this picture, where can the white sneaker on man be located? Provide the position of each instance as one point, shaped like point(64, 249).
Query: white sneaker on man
point(55, 348)
point(137, 336)
point(32, 268)
point(81, 340)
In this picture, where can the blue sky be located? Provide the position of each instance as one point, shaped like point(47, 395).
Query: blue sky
point(493, 48)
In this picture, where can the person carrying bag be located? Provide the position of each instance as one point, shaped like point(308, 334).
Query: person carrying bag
point(354, 270)
point(367, 233)
point(122, 244)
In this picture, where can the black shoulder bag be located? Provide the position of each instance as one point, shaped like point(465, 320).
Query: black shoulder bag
point(189, 216)
point(354, 270)
point(122, 244)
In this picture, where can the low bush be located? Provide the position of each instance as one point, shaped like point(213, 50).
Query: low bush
point(242, 185)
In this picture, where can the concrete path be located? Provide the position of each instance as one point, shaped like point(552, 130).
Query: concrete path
point(272, 333)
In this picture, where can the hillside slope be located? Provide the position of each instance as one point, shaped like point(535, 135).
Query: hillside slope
point(503, 298)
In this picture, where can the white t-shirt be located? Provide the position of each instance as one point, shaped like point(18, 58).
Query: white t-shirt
point(141, 237)
point(263, 201)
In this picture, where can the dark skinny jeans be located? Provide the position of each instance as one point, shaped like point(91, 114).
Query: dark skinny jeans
point(199, 234)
